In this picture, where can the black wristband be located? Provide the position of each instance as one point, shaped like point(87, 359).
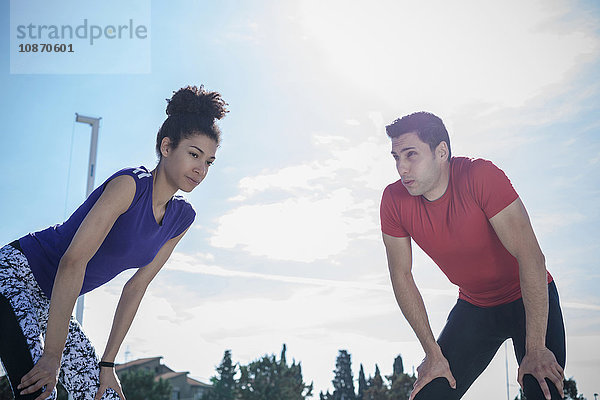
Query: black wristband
point(106, 364)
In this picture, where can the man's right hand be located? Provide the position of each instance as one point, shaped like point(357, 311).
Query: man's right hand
point(435, 366)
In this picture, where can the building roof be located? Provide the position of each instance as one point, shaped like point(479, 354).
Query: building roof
point(138, 362)
point(193, 382)
point(169, 375)
point(165, 376)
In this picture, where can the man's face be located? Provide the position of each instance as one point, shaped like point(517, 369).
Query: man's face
point(420, 168)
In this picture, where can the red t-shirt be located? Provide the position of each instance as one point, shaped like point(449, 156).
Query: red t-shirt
point(455, 232)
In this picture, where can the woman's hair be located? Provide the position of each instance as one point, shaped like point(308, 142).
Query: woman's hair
point(191, 111)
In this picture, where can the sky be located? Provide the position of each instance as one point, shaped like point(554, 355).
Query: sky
point(286, 246)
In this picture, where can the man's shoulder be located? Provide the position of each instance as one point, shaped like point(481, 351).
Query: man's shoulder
point(462, 163)
point(467, 169)
point(484, 182)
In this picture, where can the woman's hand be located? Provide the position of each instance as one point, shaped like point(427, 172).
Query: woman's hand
point(108, 379)
point(43, 373)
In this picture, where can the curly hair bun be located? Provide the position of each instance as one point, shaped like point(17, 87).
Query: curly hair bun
point(196, 100)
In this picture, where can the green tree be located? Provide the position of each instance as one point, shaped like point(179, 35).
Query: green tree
point(362, 383)
point(268, 378)
point(570, 389)
point(139, 384)
point(398, 365)
point(325, 396)
point(377, 388)
point(223, 385)
point(343, 382)
point(401, 383)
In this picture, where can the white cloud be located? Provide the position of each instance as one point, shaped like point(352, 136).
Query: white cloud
point(288, 179)
point(329, 139)
point(242, 323)
point(301, 229)
point(549, 223)
point(442, 55)
point(364, 160)
point(245, 32)
point(580, 306)
point(324, 203)
point(189, 263)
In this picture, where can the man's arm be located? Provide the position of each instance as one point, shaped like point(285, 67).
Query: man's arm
point(514, 230)
point(399, 255)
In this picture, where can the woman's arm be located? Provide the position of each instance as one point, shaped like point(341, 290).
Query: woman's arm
point(131, 296)
point(113, 202)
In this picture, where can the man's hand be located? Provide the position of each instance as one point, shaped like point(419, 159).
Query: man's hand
point(108, 379)
point(43, 373)
point(432, 367)
point(542, 364)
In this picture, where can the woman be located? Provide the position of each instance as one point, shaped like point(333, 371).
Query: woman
point(132, 220)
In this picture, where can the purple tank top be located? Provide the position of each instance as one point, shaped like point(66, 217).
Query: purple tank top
point(133, 241)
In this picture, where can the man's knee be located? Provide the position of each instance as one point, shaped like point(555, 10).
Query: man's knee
point(533, 391)
point(439, 388)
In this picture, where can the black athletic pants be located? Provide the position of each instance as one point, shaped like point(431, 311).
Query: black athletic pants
point(473, 335)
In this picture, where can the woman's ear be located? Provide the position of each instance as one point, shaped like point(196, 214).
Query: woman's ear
point(165, 146)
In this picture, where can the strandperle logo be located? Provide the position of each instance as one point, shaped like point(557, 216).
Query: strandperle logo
point(83, 31)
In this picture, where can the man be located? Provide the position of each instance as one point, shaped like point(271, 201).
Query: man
point(465, 214)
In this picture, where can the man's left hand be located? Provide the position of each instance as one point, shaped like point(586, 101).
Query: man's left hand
point(541, 364)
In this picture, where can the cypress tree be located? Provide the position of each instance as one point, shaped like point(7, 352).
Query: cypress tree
point(362, 383)
point(377, 389)
point(268, 378)
point(401, 383)
point(224, 383)
point(343, 382)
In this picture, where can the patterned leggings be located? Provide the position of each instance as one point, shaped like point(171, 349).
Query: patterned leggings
point(79, 371)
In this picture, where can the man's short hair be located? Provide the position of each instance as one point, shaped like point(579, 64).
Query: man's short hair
point(429, 128)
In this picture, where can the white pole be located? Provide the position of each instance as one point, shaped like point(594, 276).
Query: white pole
point(506, 364)
point(95, 124)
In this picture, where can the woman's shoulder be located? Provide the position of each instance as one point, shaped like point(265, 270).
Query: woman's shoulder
point(182, 214)
point(131, 182)
point(182, 205)
point(140, 173)
point(142, 177)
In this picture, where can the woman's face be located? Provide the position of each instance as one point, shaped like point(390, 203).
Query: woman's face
point(187, 164)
